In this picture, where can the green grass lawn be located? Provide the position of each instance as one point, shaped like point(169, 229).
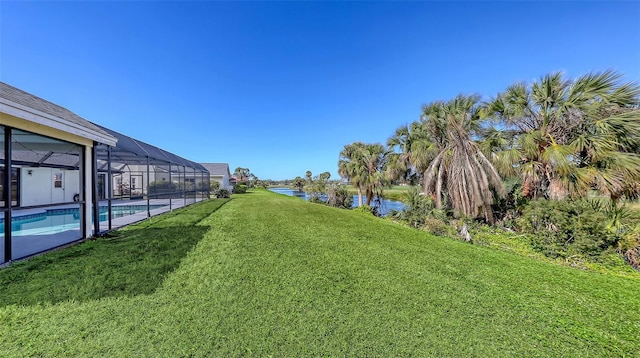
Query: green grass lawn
point(271, 275)
point(396, 192)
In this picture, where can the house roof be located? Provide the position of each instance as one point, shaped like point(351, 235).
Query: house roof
point(124, 149)
point(217, 168)
point(24, 105)
point(133, 151)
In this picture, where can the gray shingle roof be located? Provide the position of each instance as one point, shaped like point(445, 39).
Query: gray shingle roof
point(128, 146)
point(131, 150)
point(217, 168)
point(23, 98)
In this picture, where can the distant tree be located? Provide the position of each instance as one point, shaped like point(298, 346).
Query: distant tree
point(253, 180)
point(364, 165)
point(318, 186)
point(242, 174)
point(351, 168)
point(298, 183)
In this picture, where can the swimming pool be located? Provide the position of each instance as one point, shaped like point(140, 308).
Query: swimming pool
point(58, 220)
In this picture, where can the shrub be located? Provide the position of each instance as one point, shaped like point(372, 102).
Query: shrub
point(629, 246)
point(438, 226)
point(161, 189)
point(240, 189)
point(338, 196)
point(315, 198)
point(366, 210)
point(566, 228)
point(214, 186)
point(418, 209)
point(222, 193)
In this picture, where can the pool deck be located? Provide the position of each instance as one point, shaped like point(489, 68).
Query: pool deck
point(26, 245)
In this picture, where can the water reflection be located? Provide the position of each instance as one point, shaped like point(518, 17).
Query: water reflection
point(384, 206)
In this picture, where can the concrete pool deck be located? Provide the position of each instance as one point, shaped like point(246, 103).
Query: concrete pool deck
point(36, 242)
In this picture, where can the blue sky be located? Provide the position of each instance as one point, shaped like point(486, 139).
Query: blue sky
point(282, 87)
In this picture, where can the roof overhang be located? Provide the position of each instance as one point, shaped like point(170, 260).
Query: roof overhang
point(35, 116)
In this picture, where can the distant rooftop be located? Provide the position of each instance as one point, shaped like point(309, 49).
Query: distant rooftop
point(217, 168)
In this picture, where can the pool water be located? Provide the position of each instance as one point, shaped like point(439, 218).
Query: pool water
point(58, 220)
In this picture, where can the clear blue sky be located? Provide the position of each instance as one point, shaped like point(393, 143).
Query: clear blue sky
point(281, 87)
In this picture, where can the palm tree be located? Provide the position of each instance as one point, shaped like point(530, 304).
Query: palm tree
point(459, 171)
point(298, 183)
point(242, 174)
point(253, 180)
point(410, 153)
point(374, 158)
point(364, 165)
point(571, 136)
point(351, 168)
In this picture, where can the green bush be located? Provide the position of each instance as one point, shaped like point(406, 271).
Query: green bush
point(419, 209)
point(240, 189)
point(315, 198)
point(366, 209)
point(159, 186)
point(566, 228)
point(222, 193)
point(439, 226)
point(214, 186)
point(161, 189)
point(338, 196)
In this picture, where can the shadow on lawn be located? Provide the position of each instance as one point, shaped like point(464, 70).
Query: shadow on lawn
point(129, 262)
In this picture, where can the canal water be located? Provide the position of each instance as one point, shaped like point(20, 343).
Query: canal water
point(384, 207)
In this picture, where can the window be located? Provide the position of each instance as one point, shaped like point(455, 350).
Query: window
point(57, 180)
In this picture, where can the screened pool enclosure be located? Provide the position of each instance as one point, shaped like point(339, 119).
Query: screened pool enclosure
point(64, 179)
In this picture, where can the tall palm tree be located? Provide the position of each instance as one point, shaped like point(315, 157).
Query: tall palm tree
point(364, 164)
point(571, 135)
point(374, 158)
point(351, 168)
point(410, 153)
point(459, 172)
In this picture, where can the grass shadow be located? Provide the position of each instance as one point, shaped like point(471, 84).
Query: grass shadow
point(127, 262)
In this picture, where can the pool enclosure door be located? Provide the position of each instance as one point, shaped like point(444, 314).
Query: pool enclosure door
point(57, 192)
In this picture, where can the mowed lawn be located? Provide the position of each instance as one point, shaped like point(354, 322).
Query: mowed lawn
point(396, 192)
point(272, 275)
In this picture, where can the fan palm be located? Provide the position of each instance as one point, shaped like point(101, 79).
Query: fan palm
point(351, 168)
point(459, 172)
point(410, 152)
point(571, 135)
point(364, 164)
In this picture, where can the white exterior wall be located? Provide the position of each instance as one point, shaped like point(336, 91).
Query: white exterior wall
point(223, 180)
point(140, 173)
point(38, 188)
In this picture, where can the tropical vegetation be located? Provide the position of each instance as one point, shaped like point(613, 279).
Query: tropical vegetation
point(570, 141)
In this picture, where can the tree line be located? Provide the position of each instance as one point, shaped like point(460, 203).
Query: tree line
point(554, 139)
